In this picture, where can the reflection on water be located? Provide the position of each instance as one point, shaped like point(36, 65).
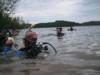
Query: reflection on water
point(78, 51)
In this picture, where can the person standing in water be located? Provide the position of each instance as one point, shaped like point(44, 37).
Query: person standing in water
point(30, 44)
point(59, 31)
point(8, 43)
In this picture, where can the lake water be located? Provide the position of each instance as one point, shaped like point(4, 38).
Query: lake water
point(78, 51)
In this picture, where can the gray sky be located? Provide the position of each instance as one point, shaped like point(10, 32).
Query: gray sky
point(36, 11)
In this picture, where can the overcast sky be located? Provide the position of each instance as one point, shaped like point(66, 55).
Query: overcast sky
point(36, 11)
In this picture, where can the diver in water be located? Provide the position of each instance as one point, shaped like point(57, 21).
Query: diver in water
point(71, 28)
point(59, 32)
point(8, 42)
point(30, 45)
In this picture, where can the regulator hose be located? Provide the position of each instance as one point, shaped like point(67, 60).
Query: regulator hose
point(51, 46)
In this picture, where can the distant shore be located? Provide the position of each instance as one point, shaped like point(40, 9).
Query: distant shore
point(66, 24)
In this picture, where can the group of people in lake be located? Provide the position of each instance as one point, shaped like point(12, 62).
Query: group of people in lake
point(30, 48)
point(60, 31)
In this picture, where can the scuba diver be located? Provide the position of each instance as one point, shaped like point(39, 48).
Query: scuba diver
point(59, 32)
point(71, 28)
point(8, 42)
point(30, 45)
point(31, 48)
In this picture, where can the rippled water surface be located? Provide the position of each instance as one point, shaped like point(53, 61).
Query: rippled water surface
point(78, 51)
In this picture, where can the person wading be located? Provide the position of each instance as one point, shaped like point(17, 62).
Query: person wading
point(30, 44)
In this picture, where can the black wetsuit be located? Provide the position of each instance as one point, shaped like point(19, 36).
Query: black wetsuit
point(2, 38)
point(59, 32)
point(31, 51)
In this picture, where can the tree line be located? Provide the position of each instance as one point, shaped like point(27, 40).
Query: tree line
point(7, 8)
point(59, 23)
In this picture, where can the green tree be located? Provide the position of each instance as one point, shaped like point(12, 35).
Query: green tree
point(7, 7)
